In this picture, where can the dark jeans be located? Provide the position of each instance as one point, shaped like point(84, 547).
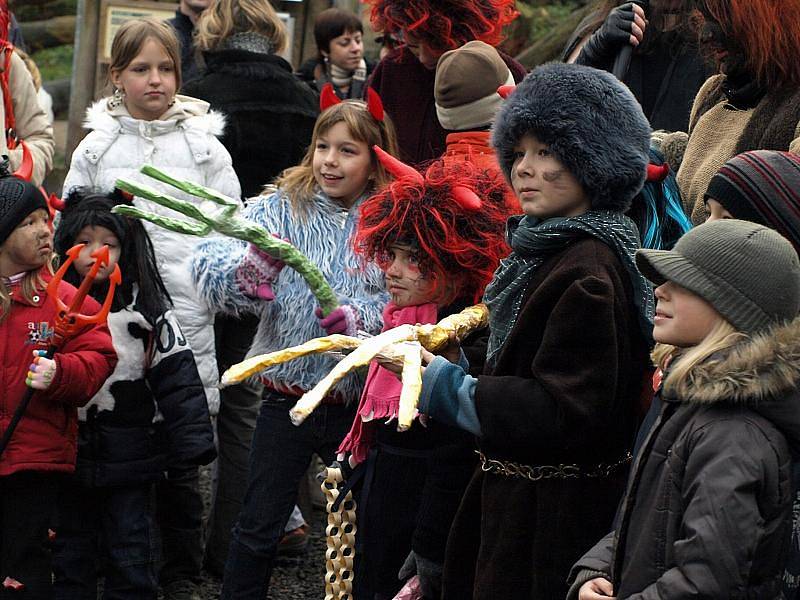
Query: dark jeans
point(110, 525)
point(179, 512)
point(27, 500)
point(279, 457)
point(236, 421)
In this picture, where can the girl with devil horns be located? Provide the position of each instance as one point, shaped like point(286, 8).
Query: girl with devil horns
point(438, 245)
point(316, 208)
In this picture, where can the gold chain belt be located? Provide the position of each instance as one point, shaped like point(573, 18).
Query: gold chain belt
point(539, 472)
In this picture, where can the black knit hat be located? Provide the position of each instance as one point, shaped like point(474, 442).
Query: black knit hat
point(592, 124)
point(762, 186)
point(18, 199)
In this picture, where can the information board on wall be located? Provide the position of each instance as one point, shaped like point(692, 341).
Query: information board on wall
point(115, 12)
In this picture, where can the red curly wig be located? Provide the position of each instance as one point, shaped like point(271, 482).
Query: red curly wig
point(444, 24)
point(769, 33)
point(458, 249)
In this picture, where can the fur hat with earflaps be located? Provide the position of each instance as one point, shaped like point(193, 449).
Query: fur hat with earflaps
point(592, 124)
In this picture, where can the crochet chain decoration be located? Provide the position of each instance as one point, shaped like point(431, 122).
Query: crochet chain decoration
point(339, 538)
point(227, 221)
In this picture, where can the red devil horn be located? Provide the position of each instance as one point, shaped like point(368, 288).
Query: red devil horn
point(328, 97)
point(374, 104)
point(25, 170)
point(57, 203)
point(466, 198)
point(397, 167)
point(657, 172)
point(504, 91)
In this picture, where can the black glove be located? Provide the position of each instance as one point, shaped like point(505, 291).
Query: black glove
point(613, 34)
point(428, 572)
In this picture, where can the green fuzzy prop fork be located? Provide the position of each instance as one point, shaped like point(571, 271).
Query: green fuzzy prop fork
point(227, 222)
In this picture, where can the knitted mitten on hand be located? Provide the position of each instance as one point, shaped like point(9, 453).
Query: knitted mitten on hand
point(257, 272)
point(343, 320)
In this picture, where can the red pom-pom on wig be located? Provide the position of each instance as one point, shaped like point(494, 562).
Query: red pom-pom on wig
point(457, 249)
point(444, 24)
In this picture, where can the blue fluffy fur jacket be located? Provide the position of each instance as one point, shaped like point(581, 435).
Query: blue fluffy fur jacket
point(324, 235)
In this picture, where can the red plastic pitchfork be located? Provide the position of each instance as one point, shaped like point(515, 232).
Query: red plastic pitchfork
point(69, 320)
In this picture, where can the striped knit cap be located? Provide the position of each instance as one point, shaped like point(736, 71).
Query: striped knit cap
point(762, 186)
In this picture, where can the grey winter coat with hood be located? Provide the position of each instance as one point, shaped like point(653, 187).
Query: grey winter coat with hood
point(707, 513)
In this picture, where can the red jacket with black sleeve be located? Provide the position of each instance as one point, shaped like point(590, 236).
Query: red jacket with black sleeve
point(46, 436)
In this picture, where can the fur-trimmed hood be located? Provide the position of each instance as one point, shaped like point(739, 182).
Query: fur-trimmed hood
point(184, 144)
point(101, 117)
point(761, 372)
point(590, 121)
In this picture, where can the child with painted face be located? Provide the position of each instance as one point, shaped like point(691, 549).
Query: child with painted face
point(438, 237)
point(570, 316)
point(151, 412)
point(708, 508)
point(316, 208)
point(42, 447)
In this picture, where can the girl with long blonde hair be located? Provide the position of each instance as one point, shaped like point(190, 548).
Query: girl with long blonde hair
point(316, 207)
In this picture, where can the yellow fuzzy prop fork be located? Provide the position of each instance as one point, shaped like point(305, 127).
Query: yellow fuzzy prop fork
point(402, 343)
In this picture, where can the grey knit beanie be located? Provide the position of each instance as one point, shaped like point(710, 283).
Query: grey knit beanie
point(592, 124)
point(749, 273)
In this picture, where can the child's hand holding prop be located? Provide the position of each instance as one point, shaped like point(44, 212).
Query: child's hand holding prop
point(227, 222)
point(403, 343)
point(41, 371)
point(68, 322)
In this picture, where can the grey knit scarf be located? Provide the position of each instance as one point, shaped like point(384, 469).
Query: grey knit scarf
point(533, 241)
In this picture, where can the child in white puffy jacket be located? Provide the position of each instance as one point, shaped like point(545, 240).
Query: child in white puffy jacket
point(145, 121)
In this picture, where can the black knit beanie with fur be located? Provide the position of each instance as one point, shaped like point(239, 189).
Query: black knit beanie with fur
point(18, 199)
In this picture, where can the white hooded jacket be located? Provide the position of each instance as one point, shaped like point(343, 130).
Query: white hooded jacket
point(183, 143)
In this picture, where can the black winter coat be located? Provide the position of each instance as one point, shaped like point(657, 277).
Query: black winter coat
point(707, 513)
point(564, 391)
point(270, 113)
point(121, 441)
point(184, 31)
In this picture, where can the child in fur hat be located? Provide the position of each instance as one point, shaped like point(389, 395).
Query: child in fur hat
point(554, 410)
point(438, 251)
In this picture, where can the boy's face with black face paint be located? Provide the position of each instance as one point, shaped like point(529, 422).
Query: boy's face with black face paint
point(544, 186)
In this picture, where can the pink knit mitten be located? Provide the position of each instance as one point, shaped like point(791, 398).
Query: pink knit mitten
point(342, 320)
point(257, 272)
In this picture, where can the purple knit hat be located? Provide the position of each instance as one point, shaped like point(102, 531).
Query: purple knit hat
point(762, 186)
